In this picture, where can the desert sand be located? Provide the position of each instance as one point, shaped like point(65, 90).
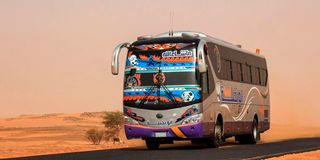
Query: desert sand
point(279, 132)
point(29, 135)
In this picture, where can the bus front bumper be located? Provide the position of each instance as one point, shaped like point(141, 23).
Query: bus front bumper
point(179, 131)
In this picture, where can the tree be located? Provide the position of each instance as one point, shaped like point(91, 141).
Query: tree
point(113, 121)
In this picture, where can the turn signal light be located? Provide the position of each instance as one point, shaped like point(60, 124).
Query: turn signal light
point(258, 51)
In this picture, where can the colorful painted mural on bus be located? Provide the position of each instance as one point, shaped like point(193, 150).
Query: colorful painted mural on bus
point(174, 63)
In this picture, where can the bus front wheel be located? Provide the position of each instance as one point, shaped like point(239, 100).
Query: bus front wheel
point(152, 144)
point(217, 140)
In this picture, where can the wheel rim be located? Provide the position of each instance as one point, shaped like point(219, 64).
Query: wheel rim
point(218, 133)
point(255, 131)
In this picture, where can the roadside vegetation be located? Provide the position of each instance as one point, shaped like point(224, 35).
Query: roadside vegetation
point(113, 122)
point(95, 136)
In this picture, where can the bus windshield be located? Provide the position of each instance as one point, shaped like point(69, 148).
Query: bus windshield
point(161, 75)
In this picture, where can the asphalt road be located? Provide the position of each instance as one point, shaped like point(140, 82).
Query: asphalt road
point(230, 150)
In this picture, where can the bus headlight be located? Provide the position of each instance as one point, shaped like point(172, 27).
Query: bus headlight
point(128, 120)
point(193, 119)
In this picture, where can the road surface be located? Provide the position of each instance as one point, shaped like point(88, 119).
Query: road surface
point(230, 150)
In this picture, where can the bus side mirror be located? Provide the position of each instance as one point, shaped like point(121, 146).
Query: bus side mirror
point(115, 57)
point(201, 56)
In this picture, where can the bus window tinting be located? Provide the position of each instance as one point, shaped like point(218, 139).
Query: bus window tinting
point(246, 70)
point(259, 76)
point(249, 68)
point(235, 71)
point(224, 69)
point(229, 70)
point(245, 73)
point(241, 72)
point(263, 77)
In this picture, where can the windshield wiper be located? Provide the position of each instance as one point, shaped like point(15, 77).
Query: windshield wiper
point(158, 84)
point(146, 96)
point(142, 102)
point(168, 92)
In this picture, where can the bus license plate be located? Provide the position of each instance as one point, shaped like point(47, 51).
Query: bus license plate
point(161, 134)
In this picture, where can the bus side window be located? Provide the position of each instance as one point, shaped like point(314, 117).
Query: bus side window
point(235, 71)
point(243, 73)
point(223, 71)
point(259, 76)
point(207, 80)
point(266, 77)
point(210, 80)
point(204, 79)
point(204, 83)
point(263, 75)
point(254, 75)
point(229, 70)
point(249, 73)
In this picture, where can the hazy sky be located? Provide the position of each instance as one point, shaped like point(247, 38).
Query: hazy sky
point(55, 55)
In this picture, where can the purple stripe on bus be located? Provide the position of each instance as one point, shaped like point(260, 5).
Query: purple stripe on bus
point(190, 131)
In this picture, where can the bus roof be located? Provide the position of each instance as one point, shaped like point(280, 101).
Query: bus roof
point(207, 38)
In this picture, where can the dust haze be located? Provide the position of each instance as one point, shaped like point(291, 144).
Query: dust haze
point(55, 56)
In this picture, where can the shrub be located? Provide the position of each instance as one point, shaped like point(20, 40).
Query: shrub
point(94, 136)
point(109, 135)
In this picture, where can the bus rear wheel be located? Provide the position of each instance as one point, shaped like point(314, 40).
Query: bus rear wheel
point(251, 138)
point(152, 144)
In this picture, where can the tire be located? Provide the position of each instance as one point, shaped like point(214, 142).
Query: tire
point(251, 138)
point(152, 144)
point(217, 140)
point(196, 141)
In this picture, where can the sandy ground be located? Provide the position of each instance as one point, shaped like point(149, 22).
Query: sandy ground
point(313, 155)
point(281, 132)
point(28, 135)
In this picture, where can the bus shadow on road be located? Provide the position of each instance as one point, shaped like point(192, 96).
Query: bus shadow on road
point(182, 145)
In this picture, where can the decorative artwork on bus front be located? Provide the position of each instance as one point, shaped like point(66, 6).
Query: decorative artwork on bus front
point(160, 123)
point(190, 111)
point(229, 94)
point(128, 112)
point(153, 98)
point(159, 78)
point(133, 60)
point(163, 46)
point(161, 74)
point(164, 55)
point(133, 81)
point(175, 53)
point(187, 96)
point(142, 61)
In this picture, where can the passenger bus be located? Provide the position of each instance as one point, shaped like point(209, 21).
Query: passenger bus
point(191, 86)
